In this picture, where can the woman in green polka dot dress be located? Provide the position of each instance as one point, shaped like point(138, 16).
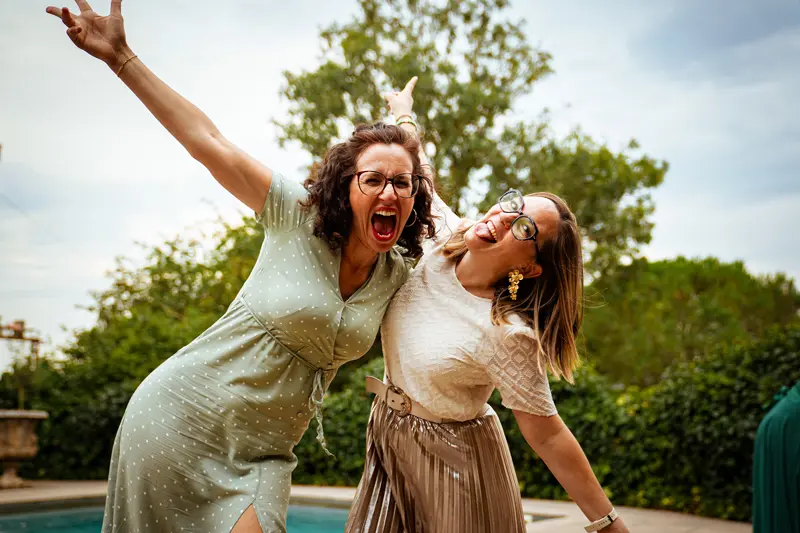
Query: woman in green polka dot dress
point(206, 441)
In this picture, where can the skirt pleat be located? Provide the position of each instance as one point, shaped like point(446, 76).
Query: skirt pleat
point(423, 477)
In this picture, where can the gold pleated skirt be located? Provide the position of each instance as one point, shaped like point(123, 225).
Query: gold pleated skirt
point(422, 477)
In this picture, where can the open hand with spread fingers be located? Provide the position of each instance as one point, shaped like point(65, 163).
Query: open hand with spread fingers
point(101, 37)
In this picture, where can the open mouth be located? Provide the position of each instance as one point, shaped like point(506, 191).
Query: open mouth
point(486, 231)
point(384, 224)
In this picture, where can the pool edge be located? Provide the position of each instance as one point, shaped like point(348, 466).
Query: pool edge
point(51, 505)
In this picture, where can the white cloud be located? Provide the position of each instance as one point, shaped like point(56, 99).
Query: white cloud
point(94, 172)
point(731, 140)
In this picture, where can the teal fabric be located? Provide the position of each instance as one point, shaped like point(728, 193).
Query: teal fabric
point(211, 430)
point(776, 468)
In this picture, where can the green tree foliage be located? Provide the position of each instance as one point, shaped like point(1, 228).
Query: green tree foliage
point(689, 443)
point(591, 411)
point(685, 444)
point(473, 65)
point(147, 314)
point(150, 312)
point(645, 316)
point(682, 444)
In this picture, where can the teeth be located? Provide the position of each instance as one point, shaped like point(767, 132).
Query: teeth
point(385, 213)
point(492, 230)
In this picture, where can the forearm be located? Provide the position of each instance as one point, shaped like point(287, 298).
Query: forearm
point(190, 126)
point(427, 170)
point(104, 38)
point(244, 177)
point(400, 105)
point(564, 457)
point(423, 158)
point(552, 440)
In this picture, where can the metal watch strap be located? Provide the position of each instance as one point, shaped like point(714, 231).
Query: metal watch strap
point(602, 523)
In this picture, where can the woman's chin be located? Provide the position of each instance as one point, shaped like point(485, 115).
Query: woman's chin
point(474, 243)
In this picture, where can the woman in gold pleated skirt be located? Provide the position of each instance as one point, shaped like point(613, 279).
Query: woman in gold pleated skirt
point(424, 476)
point(493, 304)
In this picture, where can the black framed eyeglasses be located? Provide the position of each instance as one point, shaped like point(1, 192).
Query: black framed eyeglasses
point(523, 228)
point(372, 183)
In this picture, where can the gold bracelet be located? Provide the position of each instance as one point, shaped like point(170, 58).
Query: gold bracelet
point(407, 121)
point(119, 71)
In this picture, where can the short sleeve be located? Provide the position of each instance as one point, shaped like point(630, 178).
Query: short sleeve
point(282, 210)
point(515, 370)
point(446, 222)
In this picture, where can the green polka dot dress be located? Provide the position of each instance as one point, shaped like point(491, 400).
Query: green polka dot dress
point(211, 431)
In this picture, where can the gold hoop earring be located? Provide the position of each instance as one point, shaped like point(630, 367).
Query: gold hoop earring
point(514, 277)
point(414, 211)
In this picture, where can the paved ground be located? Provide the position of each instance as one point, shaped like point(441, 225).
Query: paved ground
point(568, 518)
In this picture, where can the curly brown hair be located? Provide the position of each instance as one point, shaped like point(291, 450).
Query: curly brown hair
point(329, 188)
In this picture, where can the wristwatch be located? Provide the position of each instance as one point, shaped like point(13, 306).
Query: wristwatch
point(602, 523)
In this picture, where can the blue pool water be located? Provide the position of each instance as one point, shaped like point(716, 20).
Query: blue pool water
point(301, 519)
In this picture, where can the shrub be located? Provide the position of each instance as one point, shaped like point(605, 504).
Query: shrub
point(590, 410)
point(692, 435)
point(75, 442)
point(685, 444)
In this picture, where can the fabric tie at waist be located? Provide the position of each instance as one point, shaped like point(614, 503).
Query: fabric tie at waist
point(315, 404)
point(318, 387)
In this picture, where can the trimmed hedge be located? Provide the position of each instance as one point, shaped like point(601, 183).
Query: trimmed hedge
point(591, 411)
point(685, 444)
point(691, 437)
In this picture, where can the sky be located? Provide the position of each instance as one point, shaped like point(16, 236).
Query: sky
point(86, 173)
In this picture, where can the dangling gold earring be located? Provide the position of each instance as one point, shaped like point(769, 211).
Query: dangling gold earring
point(514, 277)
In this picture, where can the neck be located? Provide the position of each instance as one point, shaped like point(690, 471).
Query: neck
point(357, 257)
point(475, 277)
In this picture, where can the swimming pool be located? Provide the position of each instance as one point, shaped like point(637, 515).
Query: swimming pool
point(301, 519)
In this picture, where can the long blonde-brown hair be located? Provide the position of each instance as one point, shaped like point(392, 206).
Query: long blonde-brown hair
point(552, 303)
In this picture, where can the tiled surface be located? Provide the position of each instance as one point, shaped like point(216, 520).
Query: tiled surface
point(570, 519)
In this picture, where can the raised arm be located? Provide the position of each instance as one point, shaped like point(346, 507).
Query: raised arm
point(400, 104)
point(104, 38)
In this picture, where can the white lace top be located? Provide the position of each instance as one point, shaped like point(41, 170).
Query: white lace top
point(442, 349)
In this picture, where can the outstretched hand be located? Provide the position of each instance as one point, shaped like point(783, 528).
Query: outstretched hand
point(400, 103)
point(101, 37)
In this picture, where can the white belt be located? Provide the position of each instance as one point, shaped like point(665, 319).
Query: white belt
point(399, 401)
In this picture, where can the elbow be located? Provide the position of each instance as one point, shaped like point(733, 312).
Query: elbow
point(206, 147)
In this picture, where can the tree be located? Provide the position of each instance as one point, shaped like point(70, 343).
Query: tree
point(646, 315)
point(472, 65)
point(151, 311)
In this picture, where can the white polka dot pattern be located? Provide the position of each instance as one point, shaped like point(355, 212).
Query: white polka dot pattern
point(211, 431)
